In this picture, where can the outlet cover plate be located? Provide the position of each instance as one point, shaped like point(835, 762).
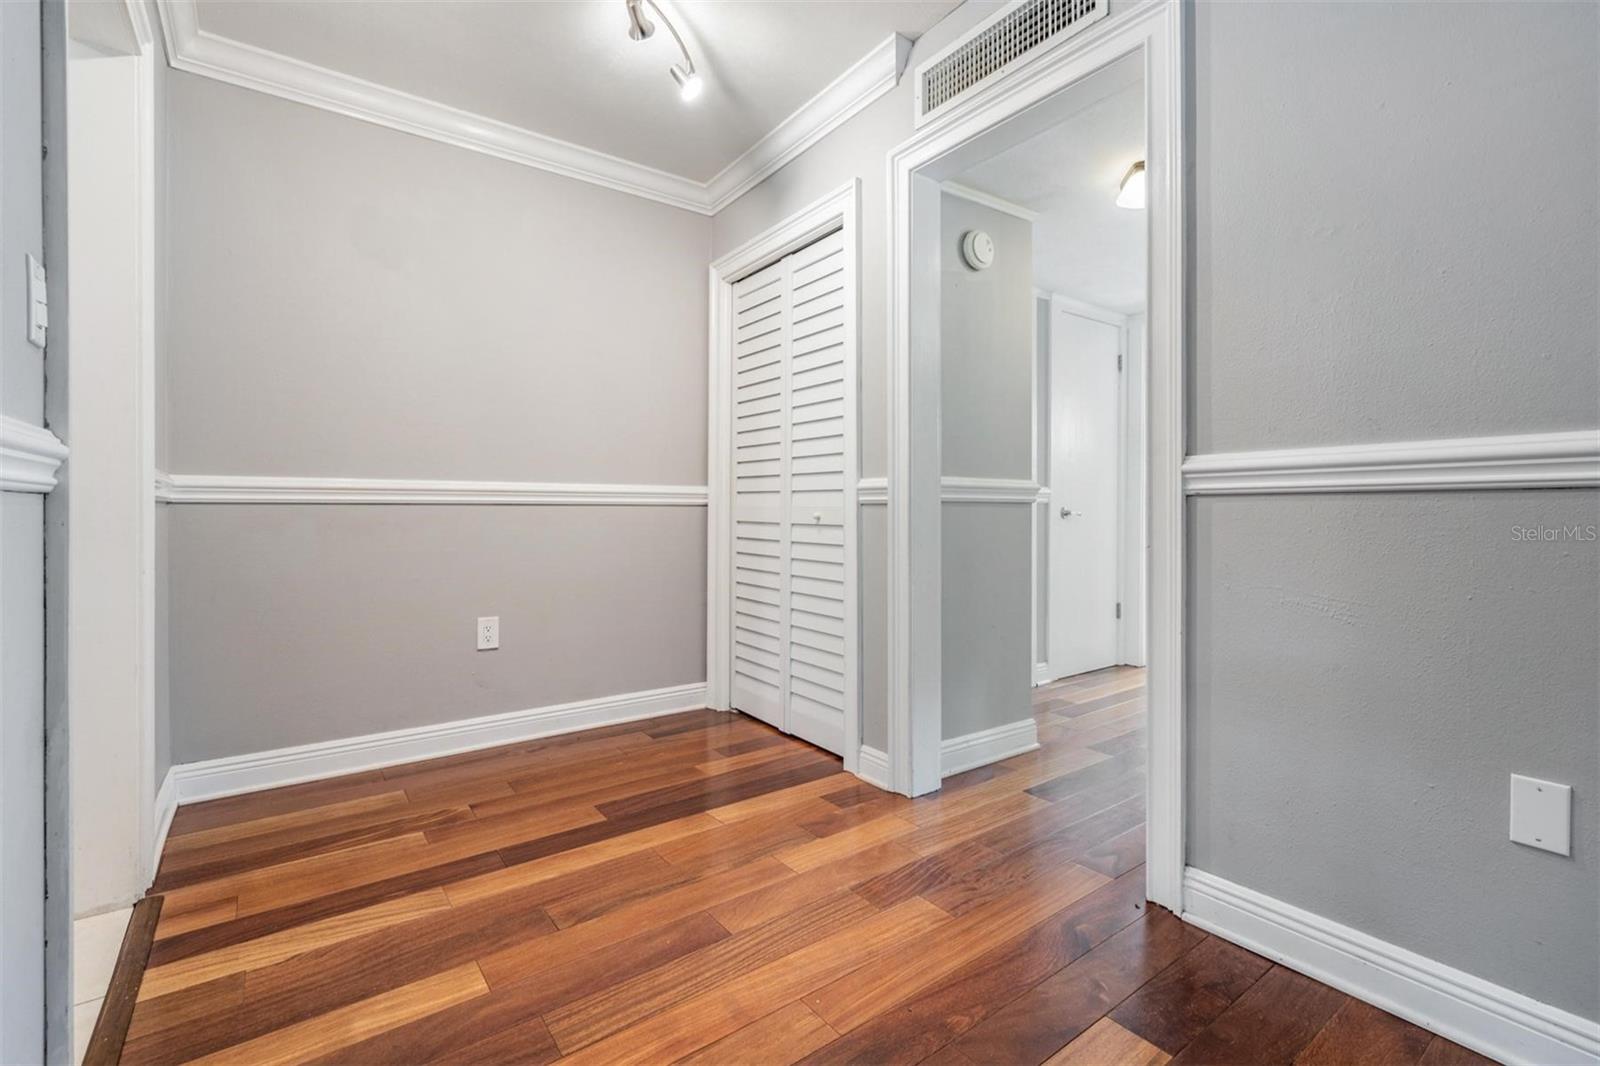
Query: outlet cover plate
point(1541, 814)
point(489, 633)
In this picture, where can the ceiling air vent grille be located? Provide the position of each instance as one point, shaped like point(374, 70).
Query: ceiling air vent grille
point(998, 44)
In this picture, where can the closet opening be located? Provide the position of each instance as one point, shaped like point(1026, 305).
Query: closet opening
point(782, 570)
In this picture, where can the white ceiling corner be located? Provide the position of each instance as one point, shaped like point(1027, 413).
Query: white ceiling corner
point(192, 49)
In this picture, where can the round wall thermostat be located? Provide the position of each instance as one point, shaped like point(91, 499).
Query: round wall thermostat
point(977, 248)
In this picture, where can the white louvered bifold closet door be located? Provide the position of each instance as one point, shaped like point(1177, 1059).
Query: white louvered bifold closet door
point(789, 494)
point(760, 490)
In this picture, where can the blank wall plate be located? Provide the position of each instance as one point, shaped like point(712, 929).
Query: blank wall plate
point(1541, 814)
point(489, 633)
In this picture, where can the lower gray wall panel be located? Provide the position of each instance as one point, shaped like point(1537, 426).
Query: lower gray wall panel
point(986, 628)
point(294, 624)
point(1367, 671)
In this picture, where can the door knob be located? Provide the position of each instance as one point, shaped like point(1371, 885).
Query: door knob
point(1065, 513)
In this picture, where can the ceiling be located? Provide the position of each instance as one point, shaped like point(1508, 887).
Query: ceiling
point(566, 68)
point(1084, 245)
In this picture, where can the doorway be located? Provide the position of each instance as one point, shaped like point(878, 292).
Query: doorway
point(1015, 106)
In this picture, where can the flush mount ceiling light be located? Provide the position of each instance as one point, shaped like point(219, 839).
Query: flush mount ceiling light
point(1131, 193)
point(640, 28)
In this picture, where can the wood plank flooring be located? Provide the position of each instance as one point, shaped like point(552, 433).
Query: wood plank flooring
point(700, 888)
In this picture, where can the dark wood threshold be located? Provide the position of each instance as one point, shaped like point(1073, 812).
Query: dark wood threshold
point(116, 1011)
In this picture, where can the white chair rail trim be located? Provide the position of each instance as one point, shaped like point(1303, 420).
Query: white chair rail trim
point(197, 51)
point(1534, 460)
point(30, 456)
point(875, 490)
point(1496, 1021)
point(205, 488)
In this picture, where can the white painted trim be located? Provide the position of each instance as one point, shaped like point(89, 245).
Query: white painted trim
point(874, 767)
point(989, 200)
point(166, 805)
point(988, 490)
point(872, 490)
point(914, 581)
point(873, 75)
point(1042, 674)
point(139, 18)
point(958, 754)
point(205, 488)
point(1522, 461)
point(196, 51)
point(236, 774)
point(839, 210)
point(1475, 1013)
point(30, 456)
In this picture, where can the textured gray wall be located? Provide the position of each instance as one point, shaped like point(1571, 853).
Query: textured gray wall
point(347, 300)
point(22, 727)
point(1367, 672)
point(343, 300)
point(1423, 263)
point(986, 401)
point(294, 624)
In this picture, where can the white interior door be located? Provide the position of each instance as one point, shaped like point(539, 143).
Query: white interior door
point(1084, 451)
point(789, 497)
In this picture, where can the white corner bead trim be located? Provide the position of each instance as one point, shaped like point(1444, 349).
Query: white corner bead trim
point(30, 455)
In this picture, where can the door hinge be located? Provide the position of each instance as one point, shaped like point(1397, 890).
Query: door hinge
point(1119, 360)
point(1119, 610)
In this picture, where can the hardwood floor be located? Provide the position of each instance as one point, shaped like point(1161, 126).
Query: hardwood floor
point(701, 888)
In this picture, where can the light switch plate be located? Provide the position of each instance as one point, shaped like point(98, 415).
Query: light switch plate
point(38, 304)
point(489, 633)
point(1541, 814)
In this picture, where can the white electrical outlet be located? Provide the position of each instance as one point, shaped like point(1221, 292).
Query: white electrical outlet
point(38, 304)
point(1541, 814)
point(489, 633)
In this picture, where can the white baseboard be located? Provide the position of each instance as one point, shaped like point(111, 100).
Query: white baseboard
point(233, 775)
point(1485, 1017)
point(873, 767)
point(1041, 674)
point(986, 746)
point(166, 807)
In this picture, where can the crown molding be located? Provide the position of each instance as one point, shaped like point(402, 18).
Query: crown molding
point(195, 51)
point(30, 455)
point(1523, 461)
point(206, 488)
point(873, 75)
point(989, 200)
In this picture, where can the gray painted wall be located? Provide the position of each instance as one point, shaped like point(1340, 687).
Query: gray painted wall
point(1423, 264)
point(1376, 667)
point(1368, 670)
point(343, 300)
point(986, 399)
point(346, 300)
point(294, 624)
point(23, 907)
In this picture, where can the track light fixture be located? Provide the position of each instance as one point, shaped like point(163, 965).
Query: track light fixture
point(1130, 193)
point(640, 28)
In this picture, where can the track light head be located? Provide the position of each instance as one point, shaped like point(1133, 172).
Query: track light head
point(639, 27)
point(689, 83)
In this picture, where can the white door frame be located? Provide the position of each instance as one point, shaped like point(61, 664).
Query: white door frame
point(839, 210)
point(1155, 30)
point(1060, 303)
